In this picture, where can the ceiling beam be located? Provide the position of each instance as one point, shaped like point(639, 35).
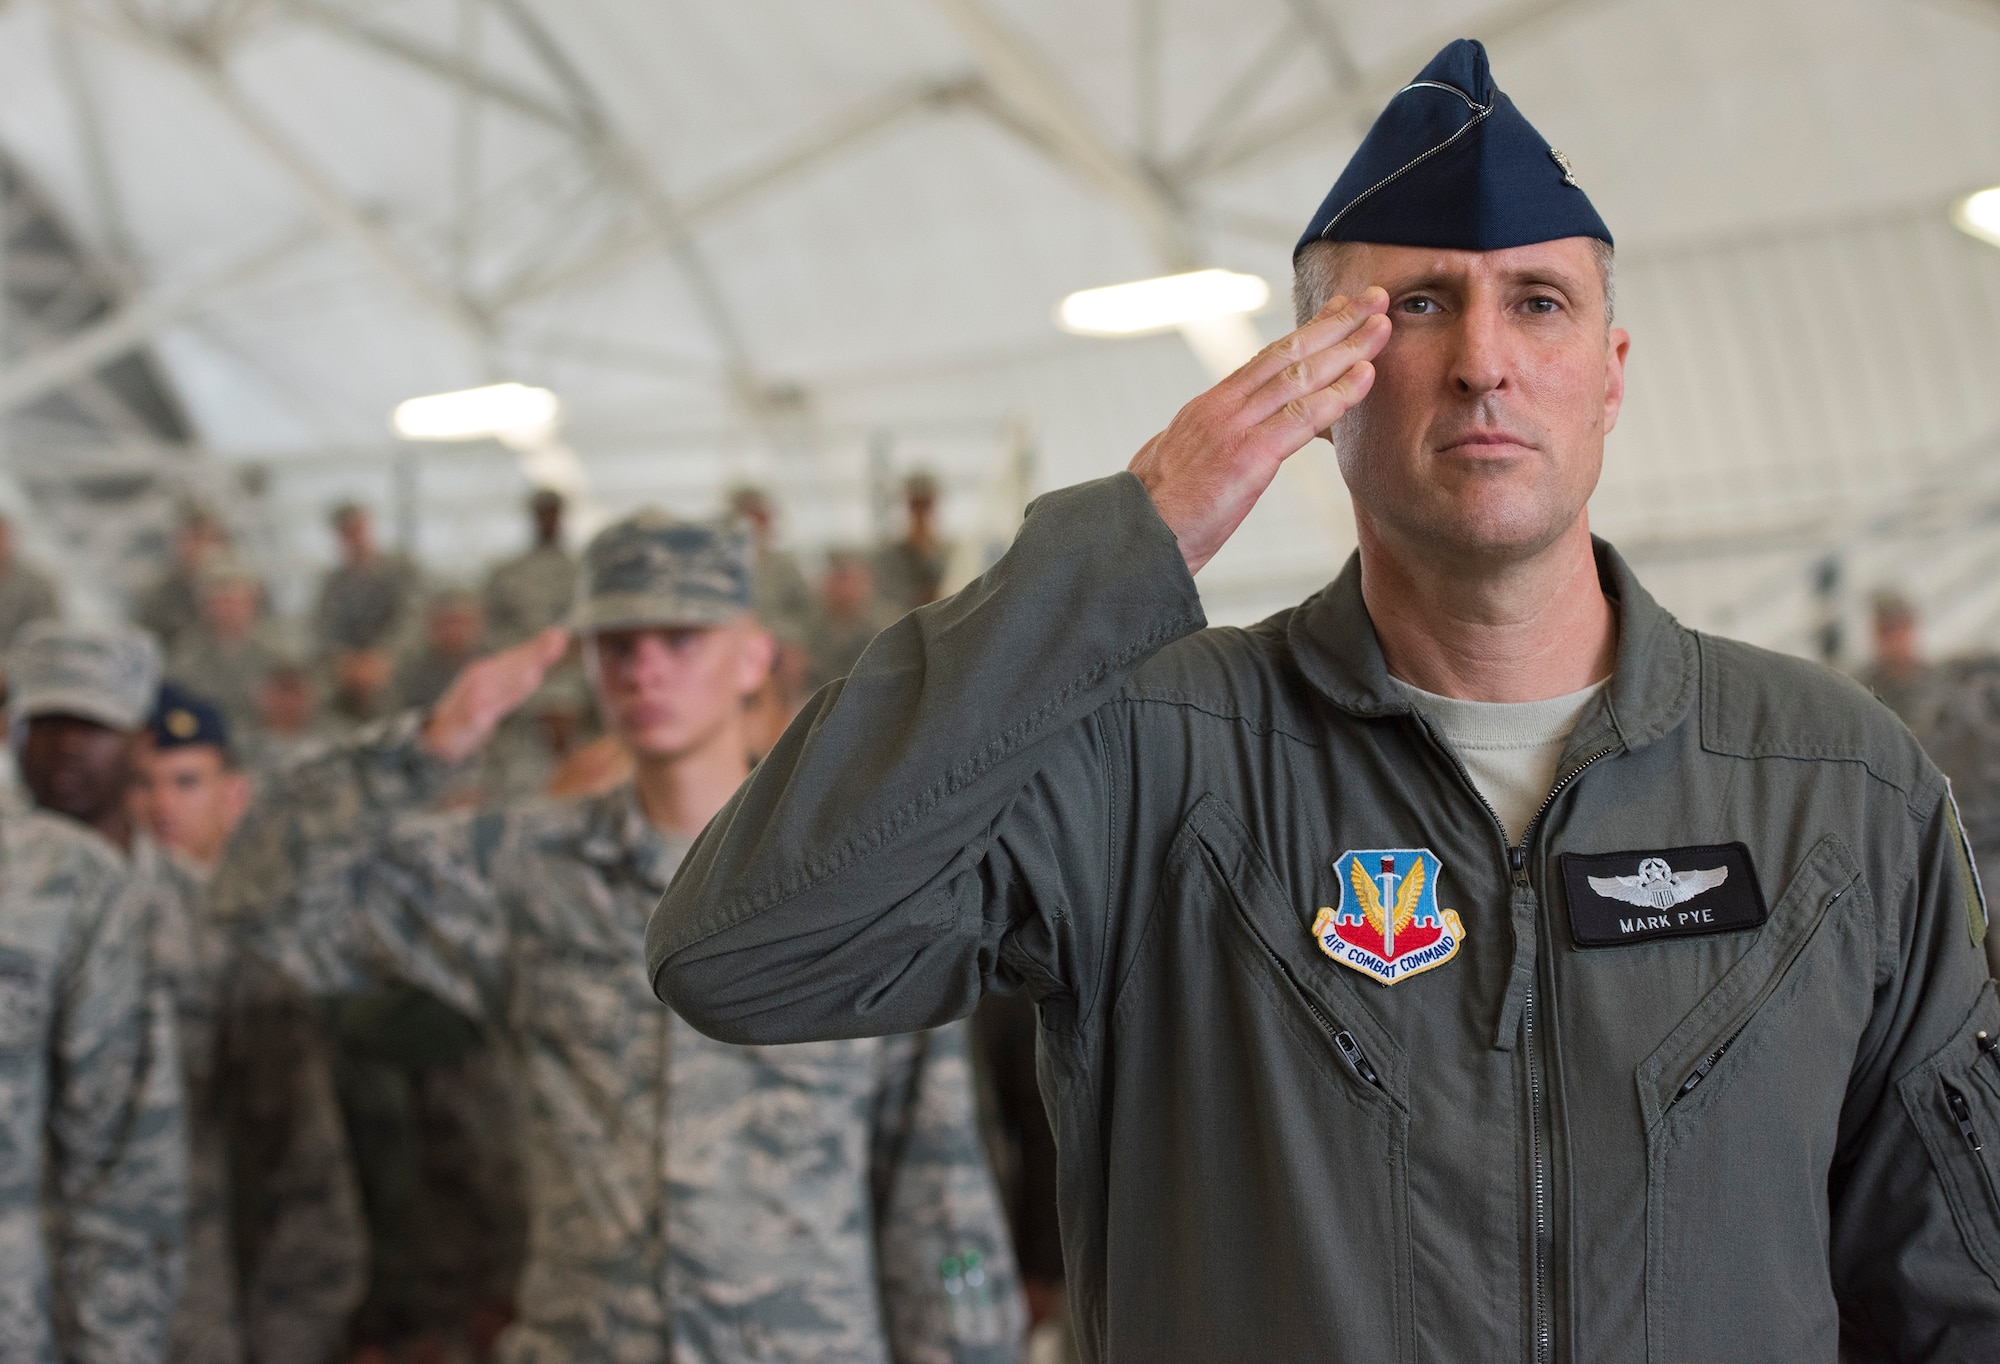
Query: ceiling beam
point(1021, 76)
point(1359, 100)
point(828, 137)
point(133, 325)
point(433, 61)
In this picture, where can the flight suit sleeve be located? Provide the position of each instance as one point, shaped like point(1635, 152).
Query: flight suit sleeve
point(1915, 1185)
point(939, 820)
point(950, 1291)
point(341, 878)
point(117, 1141)
point(302, 1243)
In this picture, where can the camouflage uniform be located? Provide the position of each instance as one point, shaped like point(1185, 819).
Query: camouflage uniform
point(93, 1158)
point(25, 596)
point(529, 593)
point(231, 674)
point(366, 606)
point(689, 1200)
point(169, 608)
point(276, 1250)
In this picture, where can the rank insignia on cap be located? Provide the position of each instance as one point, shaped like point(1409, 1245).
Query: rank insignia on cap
point(182, 724)
point(1387, 923)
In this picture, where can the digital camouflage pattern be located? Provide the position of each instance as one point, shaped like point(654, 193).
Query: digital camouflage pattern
point(653, 569)
point(276, 1248)
point(689, 1200)
point(26, 596)
point(104, 673)
point(529, 593)
point(366, 606)
point(93, 1158)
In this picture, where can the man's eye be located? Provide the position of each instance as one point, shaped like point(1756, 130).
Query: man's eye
point(1417, 307)
point(1542, 305)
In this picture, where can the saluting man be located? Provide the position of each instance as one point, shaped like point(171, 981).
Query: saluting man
point(689, 1202)
point(1468, 963)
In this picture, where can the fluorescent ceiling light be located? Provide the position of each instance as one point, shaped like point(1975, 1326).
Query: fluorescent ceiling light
point(477, 413)
point(1157, 305)
point(1978, 215)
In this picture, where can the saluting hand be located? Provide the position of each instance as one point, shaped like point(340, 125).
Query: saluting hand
point(1212, 463)
point(486, 691)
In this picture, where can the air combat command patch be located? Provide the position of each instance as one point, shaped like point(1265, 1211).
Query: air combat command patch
point(1387, 923)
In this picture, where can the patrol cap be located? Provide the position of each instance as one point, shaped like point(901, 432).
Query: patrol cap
point(224, 569)
point(184, 719)
point(105, 673)
point(655, 569)
point(1450, 162)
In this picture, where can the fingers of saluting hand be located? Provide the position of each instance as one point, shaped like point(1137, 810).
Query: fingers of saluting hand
point(1328, 356)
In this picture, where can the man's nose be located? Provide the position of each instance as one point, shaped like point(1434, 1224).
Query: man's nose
point(1482, 364)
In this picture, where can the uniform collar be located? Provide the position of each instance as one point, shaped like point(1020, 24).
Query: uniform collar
point(616, 832)
point(1652, 685)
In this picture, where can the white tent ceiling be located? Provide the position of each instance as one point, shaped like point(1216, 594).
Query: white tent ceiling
point(807, 242)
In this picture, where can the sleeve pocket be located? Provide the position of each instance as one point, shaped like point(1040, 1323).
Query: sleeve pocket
point(1954, 1100)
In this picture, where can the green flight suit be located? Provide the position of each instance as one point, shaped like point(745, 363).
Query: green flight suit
point(1755, 1144)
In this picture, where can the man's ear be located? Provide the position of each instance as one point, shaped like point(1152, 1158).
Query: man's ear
point(756, 655)
point(235, 797)
point(1614, 376)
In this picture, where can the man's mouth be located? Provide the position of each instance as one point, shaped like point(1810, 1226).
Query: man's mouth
point(1487, 442)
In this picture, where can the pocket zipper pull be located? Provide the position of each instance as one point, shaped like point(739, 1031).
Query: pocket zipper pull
point(1961, 1114)
point(1351, 1050)
point(1989, 1046)
point(1699, 1073)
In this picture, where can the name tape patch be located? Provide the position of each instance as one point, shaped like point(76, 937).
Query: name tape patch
point(1626, 897)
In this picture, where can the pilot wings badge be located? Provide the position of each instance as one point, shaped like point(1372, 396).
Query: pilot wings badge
point(1387, 923)
point(1658, 886)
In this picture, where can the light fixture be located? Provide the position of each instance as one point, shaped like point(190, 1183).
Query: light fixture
point(1162, 304)
point(495, 412)
point(1978, 215)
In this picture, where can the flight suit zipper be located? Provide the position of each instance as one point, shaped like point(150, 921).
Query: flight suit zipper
point(1517, 860)
point(1517, 868)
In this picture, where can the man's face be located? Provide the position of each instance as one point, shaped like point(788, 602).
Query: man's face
point(357, 536)
point(455, 628)
point(848, 588)
point(668, 691)
point(76, 767)
point(1483, 436)
point(286, 702)
point(190, 799)
point(229, 608)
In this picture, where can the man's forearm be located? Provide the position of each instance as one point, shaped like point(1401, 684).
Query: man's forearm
point(804, 894)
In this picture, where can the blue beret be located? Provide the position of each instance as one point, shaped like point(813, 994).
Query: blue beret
point(1451, 163)
point(180, 719)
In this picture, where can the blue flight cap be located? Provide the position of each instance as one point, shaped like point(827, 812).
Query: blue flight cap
point(181, 719)
point(1452, 163)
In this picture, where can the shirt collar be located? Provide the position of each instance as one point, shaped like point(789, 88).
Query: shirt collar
point(1652, 684)
point(616, 832)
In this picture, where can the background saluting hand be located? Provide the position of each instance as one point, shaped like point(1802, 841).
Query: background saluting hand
point(1218, 455)
point(487, 691)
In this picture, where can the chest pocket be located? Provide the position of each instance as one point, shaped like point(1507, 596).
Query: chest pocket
point(1953, 1098)
point(1249, 1082)
point(579, 997)
point(23, 1001)
point(1741, 1104)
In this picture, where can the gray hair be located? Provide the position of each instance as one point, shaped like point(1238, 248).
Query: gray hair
point(1316, 273)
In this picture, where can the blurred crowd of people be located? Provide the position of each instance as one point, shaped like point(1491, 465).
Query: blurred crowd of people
point(359, 1143)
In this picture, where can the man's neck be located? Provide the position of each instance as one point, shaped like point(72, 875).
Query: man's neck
point(681, 793)
point(1524, 631)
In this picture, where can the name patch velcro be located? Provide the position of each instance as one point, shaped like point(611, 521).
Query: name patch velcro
point(1626, 897)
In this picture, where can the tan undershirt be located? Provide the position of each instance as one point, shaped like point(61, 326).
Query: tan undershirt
point(1509, 748)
